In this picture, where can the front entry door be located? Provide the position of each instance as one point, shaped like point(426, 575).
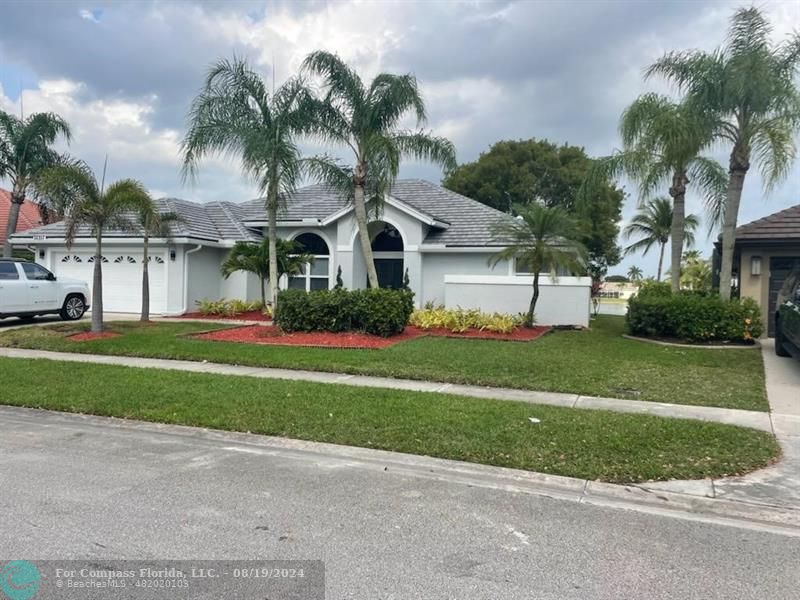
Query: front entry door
point(390, 272)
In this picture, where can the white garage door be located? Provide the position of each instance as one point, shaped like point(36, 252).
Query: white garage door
point(122, 278)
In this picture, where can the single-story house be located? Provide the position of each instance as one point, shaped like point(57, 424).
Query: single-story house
point(766, 251)
point(442, 239)
point(29, 215)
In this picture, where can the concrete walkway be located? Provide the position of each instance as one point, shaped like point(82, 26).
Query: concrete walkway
point(744, 418)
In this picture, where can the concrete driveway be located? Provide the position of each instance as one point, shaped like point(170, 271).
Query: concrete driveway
point(76, 486)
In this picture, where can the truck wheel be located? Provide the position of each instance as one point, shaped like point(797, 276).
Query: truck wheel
point(780, 348)
point(74, 308)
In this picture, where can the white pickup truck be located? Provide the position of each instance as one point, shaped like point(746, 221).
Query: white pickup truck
point(28, 290)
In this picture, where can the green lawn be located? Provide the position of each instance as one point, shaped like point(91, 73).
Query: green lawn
point(580, 443)
point(598, 362)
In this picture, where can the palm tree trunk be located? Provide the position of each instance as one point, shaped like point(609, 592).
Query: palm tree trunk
point(532, 308)
point(678, 193)
point(145, 281)
point(17, 198)
point(738, 169)
point(660, 260)
point(360, 210)
point(263, 293)
point(97, 286)
point(272, 210)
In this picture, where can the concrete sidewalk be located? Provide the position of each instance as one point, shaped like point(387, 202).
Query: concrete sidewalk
point(729, 416)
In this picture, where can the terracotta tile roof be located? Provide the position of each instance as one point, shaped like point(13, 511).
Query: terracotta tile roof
point(28, 215)
point(781, 225)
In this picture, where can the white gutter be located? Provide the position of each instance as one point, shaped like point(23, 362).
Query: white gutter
point(185, 273)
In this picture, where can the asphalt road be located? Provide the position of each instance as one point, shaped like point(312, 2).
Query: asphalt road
point(90, 488)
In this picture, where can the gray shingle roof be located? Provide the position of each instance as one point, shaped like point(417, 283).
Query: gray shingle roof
point(781, 225)
point(466, 222)
point(213, 221)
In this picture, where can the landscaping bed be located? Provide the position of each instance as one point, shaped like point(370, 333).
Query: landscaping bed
point(251, 315)
point(89, 336)
point(591, 444)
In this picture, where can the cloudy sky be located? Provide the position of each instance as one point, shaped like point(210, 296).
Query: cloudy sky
point(124, 73)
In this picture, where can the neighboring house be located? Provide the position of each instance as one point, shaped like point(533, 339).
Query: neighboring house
point(442, 239)
point(618, 290)
point(29, 216)
point(766, 251)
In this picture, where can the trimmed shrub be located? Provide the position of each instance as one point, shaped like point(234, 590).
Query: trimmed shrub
point(460, 320)
point(382, 312)
point(694, 318)
point(228, 308)
point(650, 288)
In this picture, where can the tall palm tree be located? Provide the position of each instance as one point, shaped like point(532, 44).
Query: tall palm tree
point(235, 114)
point(662, 143)
point(635, 273)
point(365, 119)
point(153, 223)
point(540, 238)
point(653, 225)
point(748, 90)
point(256, 258)
point(88, 204)
point(25, 151)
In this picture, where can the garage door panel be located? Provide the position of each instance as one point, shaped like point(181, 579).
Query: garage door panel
point(122, 278)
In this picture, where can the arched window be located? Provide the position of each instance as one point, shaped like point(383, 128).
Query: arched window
point(317, 275)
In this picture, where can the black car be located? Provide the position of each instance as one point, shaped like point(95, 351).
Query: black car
point(787, 317)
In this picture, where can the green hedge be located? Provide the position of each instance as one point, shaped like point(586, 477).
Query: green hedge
point(694, 318)
point(382, 312)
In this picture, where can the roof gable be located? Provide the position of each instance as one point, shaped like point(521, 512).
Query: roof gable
point(29, 216)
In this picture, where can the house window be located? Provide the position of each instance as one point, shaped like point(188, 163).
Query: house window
point(316, 275)
point(525, 270)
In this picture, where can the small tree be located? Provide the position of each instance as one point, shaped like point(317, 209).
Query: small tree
point(154, 224)
point(86, 203)
point(540, 238)
point(25, 152)
point(339, 281)
point(254, 258)
point(653, 225)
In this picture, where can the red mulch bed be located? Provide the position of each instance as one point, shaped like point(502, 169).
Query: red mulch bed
point(89, 336)
point(258, 334)
point(253, 315)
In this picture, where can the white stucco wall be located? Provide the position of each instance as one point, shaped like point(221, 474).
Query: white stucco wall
point(565, 301)
point(435, 266)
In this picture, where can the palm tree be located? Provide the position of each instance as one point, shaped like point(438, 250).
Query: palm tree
point(87, 204)
point(695, 271)
point(234, 114)
point(153, 224)
point(256, 258)
point(365, 119)
point(540, 238)
point(748, 90)
point(25, 151)
point(653, 225)
point(662, 143)
point(635, 274)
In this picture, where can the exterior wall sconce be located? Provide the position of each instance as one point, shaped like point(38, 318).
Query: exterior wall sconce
point(172, 254)
point(41, 253)
point(755, 265)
